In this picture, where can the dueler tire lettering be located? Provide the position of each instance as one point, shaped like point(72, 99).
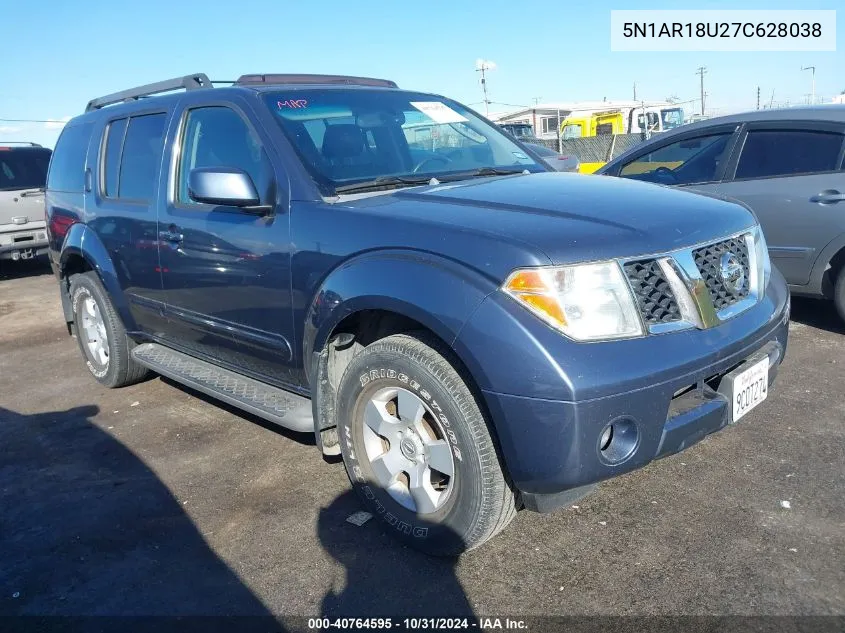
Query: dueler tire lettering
point(481, 503)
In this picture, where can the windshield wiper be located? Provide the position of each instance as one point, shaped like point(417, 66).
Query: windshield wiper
point(483, 171)
point(497, 171)
point(32, 192)
point(386, 182)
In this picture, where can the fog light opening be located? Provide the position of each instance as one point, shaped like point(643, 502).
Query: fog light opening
point(618, 440)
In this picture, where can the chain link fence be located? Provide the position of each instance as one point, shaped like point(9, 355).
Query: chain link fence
point(595, 149)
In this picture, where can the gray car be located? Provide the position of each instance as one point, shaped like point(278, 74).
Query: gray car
point(787, 165)
point(23, 174)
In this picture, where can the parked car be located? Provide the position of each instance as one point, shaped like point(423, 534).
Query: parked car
point(555, 160)
point(521, 131)
point(787, 165)
point(472, 333)
point(23, 174)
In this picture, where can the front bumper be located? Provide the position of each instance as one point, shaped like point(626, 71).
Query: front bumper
point(667, 388)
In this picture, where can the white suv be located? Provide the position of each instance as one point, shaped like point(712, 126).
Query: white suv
point(23, 174)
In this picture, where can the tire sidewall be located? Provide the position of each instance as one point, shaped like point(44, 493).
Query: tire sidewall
point(839, 294)
point(446, 529)
point(81, 290)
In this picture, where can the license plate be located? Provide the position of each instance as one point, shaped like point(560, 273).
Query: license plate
point(750, 388)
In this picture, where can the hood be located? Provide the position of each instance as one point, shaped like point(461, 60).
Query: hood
point(571, 217)
point(18, 209)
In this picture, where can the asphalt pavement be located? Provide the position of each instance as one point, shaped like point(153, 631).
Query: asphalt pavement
point(153, 500)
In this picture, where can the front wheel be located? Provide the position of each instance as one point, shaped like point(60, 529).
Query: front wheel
point(418, 449)
point(839, 294)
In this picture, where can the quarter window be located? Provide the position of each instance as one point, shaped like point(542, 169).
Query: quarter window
point(67, 167)
point(684, 162)
point(218, 137)
point(788, 152)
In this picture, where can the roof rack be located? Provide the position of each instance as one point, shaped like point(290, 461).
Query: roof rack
point(188, 82)
point(251, 80)
point(30, 143)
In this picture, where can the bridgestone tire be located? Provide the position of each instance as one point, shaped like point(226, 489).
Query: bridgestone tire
point(481, 501)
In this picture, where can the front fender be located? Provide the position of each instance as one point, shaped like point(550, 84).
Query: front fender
point(83, 242)
point(439, 293)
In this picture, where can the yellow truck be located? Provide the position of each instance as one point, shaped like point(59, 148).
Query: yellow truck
point(622, 118)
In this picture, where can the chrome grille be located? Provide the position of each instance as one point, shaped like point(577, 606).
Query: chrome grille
point(654, 296)
point(707, 259)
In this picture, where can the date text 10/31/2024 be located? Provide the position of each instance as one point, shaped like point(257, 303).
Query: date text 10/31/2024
point(486, 623)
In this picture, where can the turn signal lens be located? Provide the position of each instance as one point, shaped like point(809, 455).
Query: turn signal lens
point(587, 302)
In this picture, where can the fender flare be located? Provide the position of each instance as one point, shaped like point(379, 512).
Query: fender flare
point(439, 293)
point(82, 241)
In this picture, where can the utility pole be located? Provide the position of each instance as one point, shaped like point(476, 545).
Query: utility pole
point(702, 70)
point(482, 66)
point(635, 91)
point(758, 97)
point(812, 68)
point(536, 100)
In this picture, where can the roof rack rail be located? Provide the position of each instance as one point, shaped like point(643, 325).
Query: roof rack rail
point(30, 143)
point(188, 82)
point(251, 80)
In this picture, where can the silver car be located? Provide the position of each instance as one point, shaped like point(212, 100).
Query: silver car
point(787, 165)
point(23, 174)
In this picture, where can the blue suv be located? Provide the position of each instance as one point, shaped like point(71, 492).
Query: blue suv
point(388, 270)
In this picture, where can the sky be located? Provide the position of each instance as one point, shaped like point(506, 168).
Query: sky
point(65, 53)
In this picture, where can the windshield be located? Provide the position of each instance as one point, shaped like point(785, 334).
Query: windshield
point(353, 136)
point(23, 168)
point(672, 117)
point(519, 130)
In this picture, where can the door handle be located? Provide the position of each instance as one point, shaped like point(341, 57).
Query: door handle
point(828, 196)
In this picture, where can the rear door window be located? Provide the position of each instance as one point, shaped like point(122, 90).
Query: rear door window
point(768, 153)
point(141, 156)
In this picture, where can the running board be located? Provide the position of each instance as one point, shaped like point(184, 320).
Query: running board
point(271, 403)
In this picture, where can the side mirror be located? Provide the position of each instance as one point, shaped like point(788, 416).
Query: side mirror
point(227, 186)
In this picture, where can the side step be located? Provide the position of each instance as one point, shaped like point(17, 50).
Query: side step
point(271, 403)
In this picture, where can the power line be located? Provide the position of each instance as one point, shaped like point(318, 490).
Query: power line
point(32, 121)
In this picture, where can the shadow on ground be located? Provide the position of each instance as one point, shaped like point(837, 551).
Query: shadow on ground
point(384, 577)
point(87, 528)
point(817, 313)
point(22, 269)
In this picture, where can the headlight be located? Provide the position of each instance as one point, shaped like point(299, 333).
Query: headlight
point(586, 302)
point(761, 256)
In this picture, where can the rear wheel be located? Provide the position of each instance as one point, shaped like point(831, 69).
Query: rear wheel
point(417, 447)
point(101, 335)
